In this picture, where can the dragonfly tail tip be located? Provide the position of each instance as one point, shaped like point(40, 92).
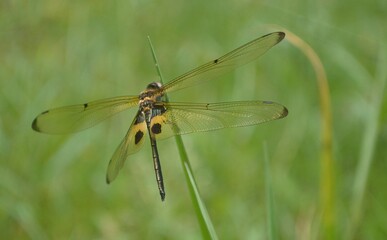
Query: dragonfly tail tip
point(162, 195)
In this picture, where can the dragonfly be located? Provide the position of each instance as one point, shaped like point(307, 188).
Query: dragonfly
point(161, 119)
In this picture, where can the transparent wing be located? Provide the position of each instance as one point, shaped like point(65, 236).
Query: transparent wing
point(183, 118)
point(226, 63)
point(132, 143)
point(79, 117)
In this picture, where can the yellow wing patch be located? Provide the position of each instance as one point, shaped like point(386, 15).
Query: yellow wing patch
point(161, 127)
point(132, 143)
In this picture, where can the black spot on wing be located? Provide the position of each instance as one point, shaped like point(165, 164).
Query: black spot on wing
point(35, 125)
point(284, 112)
point(156, 128)
point(216, 60)
point(281, 35)
point(85, 106)
point(138, 136)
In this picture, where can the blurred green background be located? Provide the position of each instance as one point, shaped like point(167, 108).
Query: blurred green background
point(56, 53)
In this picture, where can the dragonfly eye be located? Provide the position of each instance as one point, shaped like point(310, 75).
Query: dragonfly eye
point(154, 86)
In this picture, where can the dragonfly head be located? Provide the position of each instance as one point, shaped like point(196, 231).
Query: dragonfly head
point(153, 86)
point(152, 92)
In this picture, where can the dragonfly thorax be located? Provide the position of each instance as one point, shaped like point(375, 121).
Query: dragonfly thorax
point(150, 95)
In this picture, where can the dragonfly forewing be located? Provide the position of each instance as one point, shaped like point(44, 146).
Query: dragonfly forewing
point(226, 63)
point(82, 116)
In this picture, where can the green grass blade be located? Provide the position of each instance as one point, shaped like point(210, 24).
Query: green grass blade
point(207, 228)
point(205, 223)
point(368, 146)
point(327, 175)
point(271, 226)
